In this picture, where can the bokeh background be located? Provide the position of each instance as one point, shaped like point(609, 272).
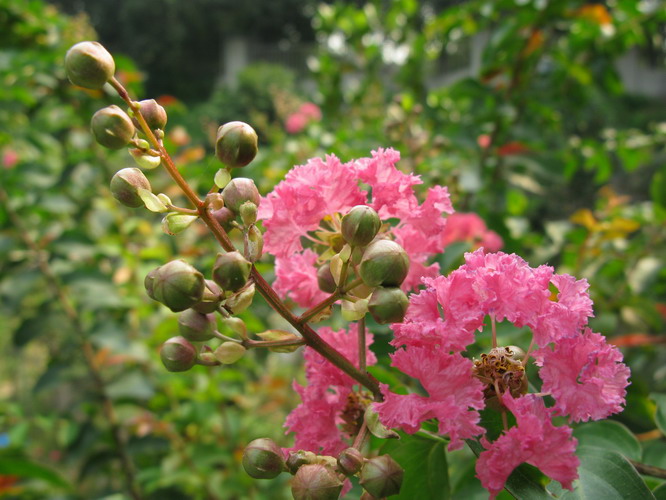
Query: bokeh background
point(545, 119)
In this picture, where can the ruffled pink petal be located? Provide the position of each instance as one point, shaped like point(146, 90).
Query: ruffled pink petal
point(585, 375)
point(296, 277)
point(534, 440)
point(454, 396)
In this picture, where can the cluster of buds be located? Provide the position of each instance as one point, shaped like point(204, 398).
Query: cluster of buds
point(322, 477)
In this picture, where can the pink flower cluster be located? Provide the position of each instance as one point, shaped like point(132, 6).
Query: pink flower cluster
point(312, 197)
point(328, 396)
point(471, 228)
point(296, 122)
point(583, 374)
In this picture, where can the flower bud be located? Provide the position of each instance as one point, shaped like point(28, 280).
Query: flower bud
point(254, 244)
point(381, 476)
point(145, 160)
point(154, 114)
point(124, 186)
point(89, 65)
point(239, 191)
point(175, 222)
point(210, 298)
point(112, 127)
point(350, 461)
point(224, 218)
point(360, 225)
point(240, 301)
point(263, 459)
point(236, 144)
point(388, 305)
point(315, 482)
point(178, 355)
point(178, 285)
point(385, 263)
point(229, 352)
point(149, 283)
point(231, 271)
point(297, 459)
point(325, 279)
point(196, 327)
point(214, 201)
point(248, 213)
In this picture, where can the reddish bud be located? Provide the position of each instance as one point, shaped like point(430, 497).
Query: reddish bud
point(382, 476)
point(112, 127)
point(125, 184)
point(239, 191)
point(196, 327)
point(178, 355)
point(263, 459)
point(89, 65)
point(236, 144)
point(315, 482)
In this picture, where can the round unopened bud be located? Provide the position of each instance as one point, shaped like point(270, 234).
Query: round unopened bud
point(177, 285)
point(382, 476)
point(388, 305)
point(248, 213)
point(325, 279)
point(229, 352)
point(112, 127)
point(196, 327)
point(178, 355)
point(231, 271)
point(89, 65)
point(236, 144)
point(263, 459)
point(297, 459)
point(239, 191)
point(224, 217)
point(125, 184)
point(360, 225)
point(210, 298)
point(315, 482)
point(385, 263)
point(154, 114)
point(350, 461)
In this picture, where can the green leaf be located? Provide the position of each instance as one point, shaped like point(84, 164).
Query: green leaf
point(24, 468)
point(132, 385)
point(660, 492)
point(151, 201)
point(660, 415)
point(604, 474)
point(609, 435)
point(425, 465)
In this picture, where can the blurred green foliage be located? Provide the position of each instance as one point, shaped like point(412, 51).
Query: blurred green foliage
point(541, 139)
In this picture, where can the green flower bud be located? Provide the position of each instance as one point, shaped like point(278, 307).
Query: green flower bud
point(154, 114)
point(360, 225)
point(224, 218)
point(178, 285)
point(388, 305)
point(315, 482)
point(263, 459)
point(240, 301)
point(214, 201)
point(210, 298)
point(297, 459)
point(231, 271)
point(196, 327)
point(254, 244)
point(385, 263)
point(236, 144)
point(178, 355)
point(248, 213)
point(229, 352)
point(89, 65)
point(382, 476)
point(124, 186)
point(325, 279)
point(350, 461)
point(239, 191)
point(112, 127)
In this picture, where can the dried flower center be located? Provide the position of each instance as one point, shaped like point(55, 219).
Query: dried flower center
point(352, 413)
point(502, 370)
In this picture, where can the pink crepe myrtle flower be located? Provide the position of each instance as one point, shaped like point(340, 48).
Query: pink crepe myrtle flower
point(328, 399)
point(534, 440)
point(313, 196)
point(583, 374)
point(471, 228)
point(307, 113)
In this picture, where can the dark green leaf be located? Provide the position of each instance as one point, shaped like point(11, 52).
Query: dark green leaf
point(609, 435)
point(24, 468)
point(660, 415)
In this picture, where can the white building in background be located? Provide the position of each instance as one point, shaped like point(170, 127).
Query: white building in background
point(638, 76)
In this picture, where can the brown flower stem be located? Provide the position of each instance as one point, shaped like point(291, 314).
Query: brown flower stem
point(649, 470)
point(253, 344)
point(312, 339)
point(186, 211)
point(360, 437)
point(361, 344)
point(88, 350)
point(316, 309)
